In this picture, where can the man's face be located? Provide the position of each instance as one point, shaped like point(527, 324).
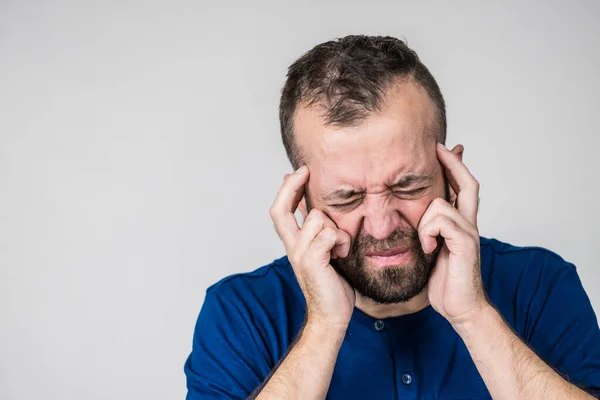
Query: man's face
point(375, 181)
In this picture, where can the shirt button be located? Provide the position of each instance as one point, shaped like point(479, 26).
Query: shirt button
point(379, 325)
point(406, 379)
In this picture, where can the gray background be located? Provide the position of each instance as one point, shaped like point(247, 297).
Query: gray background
point(140, 152)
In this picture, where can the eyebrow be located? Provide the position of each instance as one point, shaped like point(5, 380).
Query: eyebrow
point(411, 180)
point(341, 194)
point(404, 182)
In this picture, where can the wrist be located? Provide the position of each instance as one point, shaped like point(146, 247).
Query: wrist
point(324, 332)
point(479, 318)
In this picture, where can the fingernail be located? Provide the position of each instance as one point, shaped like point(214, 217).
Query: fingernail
point(301, 170)
point(441, 145)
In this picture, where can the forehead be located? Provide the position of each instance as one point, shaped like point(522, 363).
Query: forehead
point(387, 145)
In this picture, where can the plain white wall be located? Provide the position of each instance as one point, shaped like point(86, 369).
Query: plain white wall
point(140, 152)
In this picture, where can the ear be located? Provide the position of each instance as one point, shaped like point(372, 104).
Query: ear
point(458, 151)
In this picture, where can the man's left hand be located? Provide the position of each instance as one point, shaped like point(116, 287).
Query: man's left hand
point(455, 287)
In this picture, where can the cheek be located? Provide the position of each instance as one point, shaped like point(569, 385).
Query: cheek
point(348, 222)
point(413, 210)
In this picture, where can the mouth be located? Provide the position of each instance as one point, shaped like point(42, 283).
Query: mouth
point(389, 258)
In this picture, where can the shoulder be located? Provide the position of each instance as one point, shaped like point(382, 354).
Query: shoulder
point(273, 279)
point(244, 326)
point(503, 248)
point(541, 297)
point(520, 279)
point(265, 307)
point(512, 275)
point(268, 298)
point(501, 259)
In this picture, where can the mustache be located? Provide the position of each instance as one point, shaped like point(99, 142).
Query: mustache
point(401, 236)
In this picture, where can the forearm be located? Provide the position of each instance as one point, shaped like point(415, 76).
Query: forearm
point(509, 368)
point(306, 371)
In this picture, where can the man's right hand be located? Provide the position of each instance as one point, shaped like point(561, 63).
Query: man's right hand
point(329, 298)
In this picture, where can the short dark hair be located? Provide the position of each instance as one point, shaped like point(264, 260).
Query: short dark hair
point(347, 78)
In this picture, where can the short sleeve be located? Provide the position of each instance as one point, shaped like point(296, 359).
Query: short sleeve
point(562, 328)
point(227, 361)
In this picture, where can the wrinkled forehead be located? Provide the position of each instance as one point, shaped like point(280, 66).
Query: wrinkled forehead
point(398, 140)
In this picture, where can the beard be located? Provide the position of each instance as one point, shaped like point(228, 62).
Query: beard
point(392, 284)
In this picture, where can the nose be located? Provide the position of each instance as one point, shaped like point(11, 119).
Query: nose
point(380, 218)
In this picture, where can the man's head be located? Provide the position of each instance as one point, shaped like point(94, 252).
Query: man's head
point(364, 114)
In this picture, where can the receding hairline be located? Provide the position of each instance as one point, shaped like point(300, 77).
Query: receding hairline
point(434, 128)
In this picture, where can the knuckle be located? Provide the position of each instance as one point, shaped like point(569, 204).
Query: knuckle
point(315, 217)
point(329, 233)
point(316, 213)
point(273, 211)
point(318, 239)
point(437, 218)
point(437, 203)
point(441, 202)
point(446, 220)
point(324, 237)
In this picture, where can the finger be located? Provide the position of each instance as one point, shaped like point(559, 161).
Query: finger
point(285, 205)
point(439, 206)
point(303, 209)
point(315, 222)
point(319, 252)
point(342, 246)
point(462, 182)
point(456, 239)
point(312, 226)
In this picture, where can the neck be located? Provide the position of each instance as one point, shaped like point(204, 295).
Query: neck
point(377, 310)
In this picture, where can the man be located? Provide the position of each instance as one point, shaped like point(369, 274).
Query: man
point(387, 290)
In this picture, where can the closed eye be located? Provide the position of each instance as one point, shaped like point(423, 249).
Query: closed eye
point(397, 193)
point(346, 206)
point(408, 193)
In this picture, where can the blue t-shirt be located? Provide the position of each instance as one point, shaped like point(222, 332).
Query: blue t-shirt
point(249, 320)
